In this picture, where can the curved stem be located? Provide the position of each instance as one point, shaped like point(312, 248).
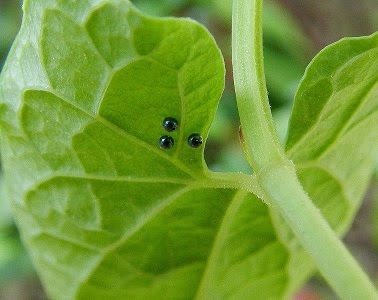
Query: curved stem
point(275, 173)
point(260, 138)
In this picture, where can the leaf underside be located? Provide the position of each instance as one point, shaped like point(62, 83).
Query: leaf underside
point(106, 213)
point(332, 133)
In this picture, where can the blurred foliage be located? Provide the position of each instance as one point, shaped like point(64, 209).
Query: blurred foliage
point(374, 193)
point(160, 8)
point(10, 19)
point(293, 31)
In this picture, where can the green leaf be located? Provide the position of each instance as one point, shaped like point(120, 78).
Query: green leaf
point(104, 211)
point(332, 137)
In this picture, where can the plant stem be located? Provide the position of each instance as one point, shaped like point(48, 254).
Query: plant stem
point(250, 88)
point(274, 171)
point(331, 257)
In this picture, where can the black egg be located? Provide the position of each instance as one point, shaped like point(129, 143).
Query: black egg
point(195, 140)
point(166, 142)
point(170, 124)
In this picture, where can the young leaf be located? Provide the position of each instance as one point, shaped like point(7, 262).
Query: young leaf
point(332, 138)
point(332, 135)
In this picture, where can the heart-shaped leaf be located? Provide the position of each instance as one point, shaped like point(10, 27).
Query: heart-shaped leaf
point(105, 212)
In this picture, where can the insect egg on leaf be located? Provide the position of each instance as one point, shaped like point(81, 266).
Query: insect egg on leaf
point(170, 124)
point(195, 140)
point(166, 142)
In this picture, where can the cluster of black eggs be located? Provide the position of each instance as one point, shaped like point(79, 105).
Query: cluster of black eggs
point(167, 142)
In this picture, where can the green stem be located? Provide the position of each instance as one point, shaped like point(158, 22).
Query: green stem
point(331, 257)
point(274, 171)
point(250, 88)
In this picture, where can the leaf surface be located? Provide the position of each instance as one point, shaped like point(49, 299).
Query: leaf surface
point(104, 211)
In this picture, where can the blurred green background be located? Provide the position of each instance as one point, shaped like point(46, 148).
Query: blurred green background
point(294, 31)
